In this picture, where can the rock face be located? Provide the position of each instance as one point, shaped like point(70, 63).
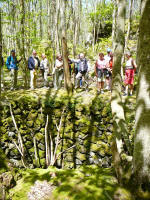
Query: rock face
point(85, 131)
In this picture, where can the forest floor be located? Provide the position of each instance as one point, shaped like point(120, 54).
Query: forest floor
point(85, 183)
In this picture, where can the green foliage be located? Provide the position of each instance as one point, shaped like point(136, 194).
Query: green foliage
point(103, 19)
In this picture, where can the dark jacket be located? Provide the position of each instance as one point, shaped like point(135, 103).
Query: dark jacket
point(31, 63)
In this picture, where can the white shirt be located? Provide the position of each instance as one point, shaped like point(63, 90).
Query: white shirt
point(44, 64)
point(107, 58)
point(58, 64)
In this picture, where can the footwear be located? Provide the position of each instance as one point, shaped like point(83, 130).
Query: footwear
point(102, 92)
point(125, 94)
point(130, 95)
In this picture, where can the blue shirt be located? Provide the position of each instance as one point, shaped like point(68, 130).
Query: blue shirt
point(12, 62)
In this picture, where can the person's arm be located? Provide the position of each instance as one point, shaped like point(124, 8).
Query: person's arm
point(74, 61)
point(95, 69)
point(18, 61)
point(134, 64)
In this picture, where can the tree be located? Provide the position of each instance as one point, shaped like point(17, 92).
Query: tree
point(119, 125)
point(68, 84)
point(0, 47)
point(141, 157)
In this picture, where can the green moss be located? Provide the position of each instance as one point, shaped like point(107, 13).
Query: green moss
point(41, 154)
point(39, 137)
point(30, 124)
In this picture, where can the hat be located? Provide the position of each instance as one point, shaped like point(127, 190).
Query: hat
point(108, 50)
point(12, 51)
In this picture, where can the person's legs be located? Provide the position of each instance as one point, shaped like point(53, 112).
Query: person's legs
point(34, 78)
point(45, 77)
point(107, 83)
point(78, 78)
point(31, 79)
point(126, 89)
point(15, 78)
point(131, 89)
point(12, 78)
point(56, 80)
point(60, 78)
point(2, 77)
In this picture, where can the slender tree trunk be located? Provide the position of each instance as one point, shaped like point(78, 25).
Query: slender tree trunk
point(141, 159)
point(67, 78)
point(0, 48)
point(116, 102)
point(41, 25)
point(114, 22)
point(128, 31)
point(23, 43)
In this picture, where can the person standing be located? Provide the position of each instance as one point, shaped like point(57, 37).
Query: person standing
point(12, 65)
point(33, 65)
point(129, 74)
point(44, 66)
point(107, 70)
point(58, 72)
point(100, 66)
point(82, 74)
point(108, 56)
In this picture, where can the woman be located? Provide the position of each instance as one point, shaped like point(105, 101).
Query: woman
point(100, 66)
point(59, 72)
point(129, 74)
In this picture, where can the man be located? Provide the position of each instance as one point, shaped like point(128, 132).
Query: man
point(44, 66)
point(33, 65)
point(12, 65)
point(82, 70)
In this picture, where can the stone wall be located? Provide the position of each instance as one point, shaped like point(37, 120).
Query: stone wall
point(85, 134)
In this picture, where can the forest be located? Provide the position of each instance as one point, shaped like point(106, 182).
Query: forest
point(74, 100)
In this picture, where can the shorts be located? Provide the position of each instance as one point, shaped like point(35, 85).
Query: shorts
point(129, 76)
point(100, 75)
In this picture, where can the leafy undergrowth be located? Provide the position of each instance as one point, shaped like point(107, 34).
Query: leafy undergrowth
point(85, 183)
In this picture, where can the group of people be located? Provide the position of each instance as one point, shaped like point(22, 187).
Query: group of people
point(103, 70)
point(34, 64)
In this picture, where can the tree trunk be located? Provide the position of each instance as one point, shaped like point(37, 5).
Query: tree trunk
point(41, 24)
point(116, 102)
point(128, 31)
point(23, 43)
point(141, 159)
point(67, 78)
point(0, 48)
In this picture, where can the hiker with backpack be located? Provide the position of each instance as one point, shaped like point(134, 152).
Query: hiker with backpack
point(82, 71)
point(33, 66)
point(129, 74)
point(44, 67)
point(100, 67)
point(12, 65)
